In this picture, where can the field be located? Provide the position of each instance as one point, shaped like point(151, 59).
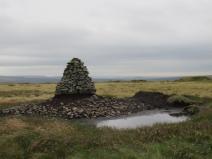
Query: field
point(48, 138)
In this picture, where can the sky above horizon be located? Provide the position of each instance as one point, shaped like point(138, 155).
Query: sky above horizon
point(112, 37)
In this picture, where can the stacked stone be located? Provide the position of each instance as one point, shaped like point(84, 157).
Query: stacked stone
point(75, 80)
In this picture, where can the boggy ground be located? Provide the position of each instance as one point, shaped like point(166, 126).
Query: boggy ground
point(72, 107)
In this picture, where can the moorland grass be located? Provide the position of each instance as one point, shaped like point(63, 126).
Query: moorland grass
point(14, 94)
point(30, 137)
point(126, 89)
point(24, 93)
point(52, 138)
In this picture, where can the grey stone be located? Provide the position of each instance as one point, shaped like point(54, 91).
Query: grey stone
point(75, 80)
point(74, 108)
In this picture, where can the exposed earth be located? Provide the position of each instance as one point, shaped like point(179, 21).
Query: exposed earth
point(73, 107)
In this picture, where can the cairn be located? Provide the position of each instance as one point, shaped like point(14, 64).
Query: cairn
point(75, 80)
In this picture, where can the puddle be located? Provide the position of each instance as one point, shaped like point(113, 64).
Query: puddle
point(147, 118)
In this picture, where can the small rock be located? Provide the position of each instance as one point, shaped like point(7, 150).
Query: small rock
point(74, 108)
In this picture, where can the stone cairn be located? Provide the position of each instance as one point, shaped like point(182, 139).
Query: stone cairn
point(75, 80)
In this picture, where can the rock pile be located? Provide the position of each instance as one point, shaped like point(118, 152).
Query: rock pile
point(92, 106)
point(89, 107)
point(75, 80)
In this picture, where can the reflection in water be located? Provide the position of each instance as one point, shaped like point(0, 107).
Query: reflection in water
point(141, 120)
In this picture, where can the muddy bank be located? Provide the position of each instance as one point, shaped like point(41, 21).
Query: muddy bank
point(72, 107)
point(155, 99)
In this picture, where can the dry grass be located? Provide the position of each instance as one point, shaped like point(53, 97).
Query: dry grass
point(126, 89)
point(25, 93)
point(55, 127)
point(15, 124)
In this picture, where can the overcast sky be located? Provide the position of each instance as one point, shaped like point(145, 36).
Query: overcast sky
point(112, 37)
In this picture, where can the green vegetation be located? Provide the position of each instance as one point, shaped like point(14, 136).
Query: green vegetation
point(180, 99)
point(191, 109)
point(23, 137)
point(50, 138)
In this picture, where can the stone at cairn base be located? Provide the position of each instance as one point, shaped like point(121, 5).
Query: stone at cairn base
point(75, 82)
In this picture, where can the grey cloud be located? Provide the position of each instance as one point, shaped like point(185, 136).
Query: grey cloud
point(122, 34)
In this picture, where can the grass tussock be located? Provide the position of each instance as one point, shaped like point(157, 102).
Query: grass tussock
point(180, 99)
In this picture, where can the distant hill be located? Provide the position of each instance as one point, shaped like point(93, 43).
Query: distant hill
point(56, 79)
point(195, 78)
point(46, 79)
point(136, 79)
point(28, 79)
